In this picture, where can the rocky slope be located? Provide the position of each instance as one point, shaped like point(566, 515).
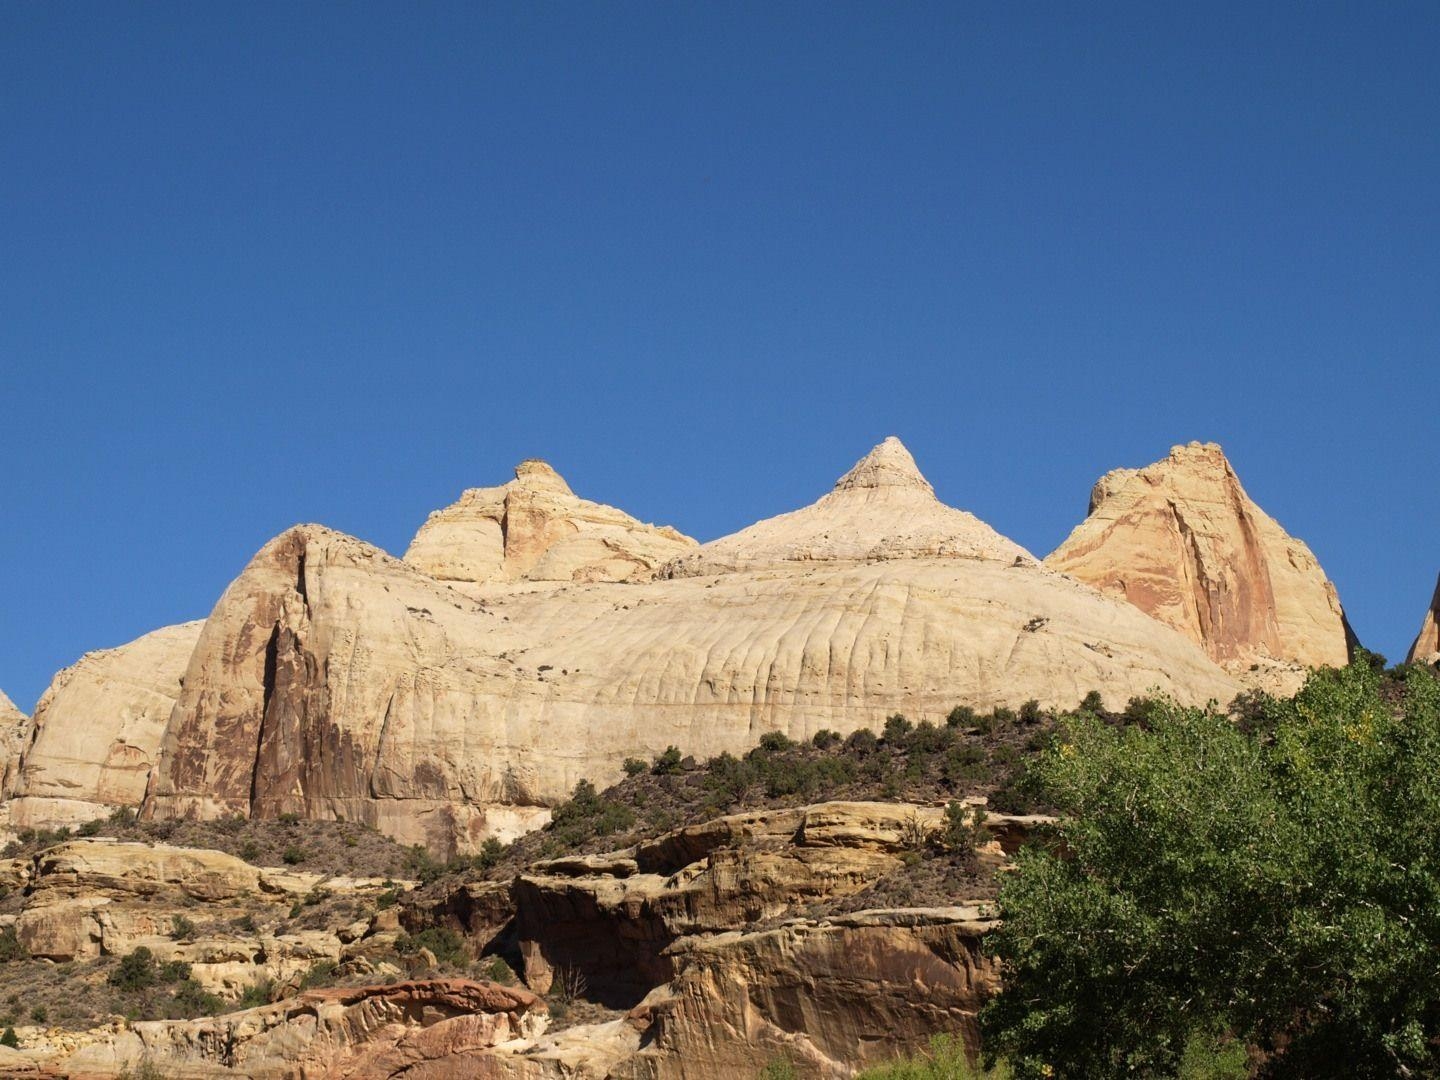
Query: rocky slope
point(666, 932)
point(1183, 542)
point(334, 681)
point(97, 730)
point(1426, 647)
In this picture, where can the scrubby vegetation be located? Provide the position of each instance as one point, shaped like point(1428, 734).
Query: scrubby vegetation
point(323, 847)
point(1256, 894)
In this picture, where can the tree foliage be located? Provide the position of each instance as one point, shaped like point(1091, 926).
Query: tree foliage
point(1274, 883)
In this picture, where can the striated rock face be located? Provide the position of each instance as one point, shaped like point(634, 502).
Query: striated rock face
point(426, 1030)
point(332, 680)
point(883, 508)
point(1426, 648)
point(535, 529)
point(15, 729)
point(829, 994)
point(1182, 541)
point(97, 730)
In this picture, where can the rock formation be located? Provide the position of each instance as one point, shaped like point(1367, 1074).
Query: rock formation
point(15, 729)
point(883, 508)
point(97, 729)
point(536, 529)
point(1183, 542)
point(332, 680)
point(1426, 648)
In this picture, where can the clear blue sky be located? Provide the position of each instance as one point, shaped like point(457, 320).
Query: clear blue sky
point(262, 264)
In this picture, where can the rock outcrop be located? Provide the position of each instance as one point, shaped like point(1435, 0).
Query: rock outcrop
point(536, 529)
point(97, 730)
point(1183, 542)
point(883, 508)
point(332, 680)
point(1426, 647)
point(426, 1030)
point(15, 729)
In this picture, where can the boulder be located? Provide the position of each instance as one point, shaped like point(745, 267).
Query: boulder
point(97, 730)
point(1183, 542)
point(1426, 647)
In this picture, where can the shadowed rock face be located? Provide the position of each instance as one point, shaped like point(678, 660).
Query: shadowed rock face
point(1183, 542)
point(1426, 648)
point(97, 730)
point(332, 680)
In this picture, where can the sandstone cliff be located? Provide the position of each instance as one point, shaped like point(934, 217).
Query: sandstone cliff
point(332, 680)
point(97, 730)
point(536, 529)
point(1426, 647)
point(15, 729)
point(1182, 541)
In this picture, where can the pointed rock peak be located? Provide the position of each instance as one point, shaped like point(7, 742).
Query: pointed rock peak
point(889, 465)
point(7, 707)
point(536, 475)
point(1426, 648)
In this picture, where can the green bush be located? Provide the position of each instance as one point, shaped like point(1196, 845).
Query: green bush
point(445, 944)
point(634, 766)
point(10, 947)
point(181, 928)
point(293, 855)
point(10, 1039)
point(668, 763)
point(1279, 886)
point(256, 994)
point(135, 971)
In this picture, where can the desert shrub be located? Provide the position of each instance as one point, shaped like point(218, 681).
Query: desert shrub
point(181, 928)
point(91, 828)
point(897, 730)
point(135, 971)
point(293, 855)
point(10, 1039)
point(861, 741)
point(289, 818)
point(321, 973)
point(1093, 703)
point(1280, 888)
point(667, 763)
point(10, 947)
point(962, 716)
point(190, 1000)
point(497, 970)
point(256, 994)
point(447, 946)
point(634, 766)
point(775, 742)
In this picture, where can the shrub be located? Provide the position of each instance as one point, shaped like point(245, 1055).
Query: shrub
point(135, 971)
point(897, 730)
point(444, 944)
point(668, 763)
point(861, 741)
point(824, 739)
point(293, 855)
point(321, 973)
point(962, 716)
point(122, 815)
point(191, 1000)
point(946, 1060)
point(90, 828)
point(10, 947)
point(289, 818)
point(775, 742)
point(497, 970)
point(634, 766)
point(10, 1039)
point(39, 1014)
point(256, 994)
point(181, 928)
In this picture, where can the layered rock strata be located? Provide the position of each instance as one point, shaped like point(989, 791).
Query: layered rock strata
point(1183, 542)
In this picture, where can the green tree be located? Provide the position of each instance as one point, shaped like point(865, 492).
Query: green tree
point(1279, 884)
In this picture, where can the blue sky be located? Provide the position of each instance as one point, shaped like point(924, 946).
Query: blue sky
point(262, 264)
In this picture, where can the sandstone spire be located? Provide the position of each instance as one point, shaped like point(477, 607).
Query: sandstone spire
point(534, 528)
point(1182, 541)
point(883, 508)
point(1426, 648)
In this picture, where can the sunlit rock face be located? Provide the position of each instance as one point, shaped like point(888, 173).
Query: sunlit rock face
point(1426, 648)
point(333, 680)
point(1183, 542)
